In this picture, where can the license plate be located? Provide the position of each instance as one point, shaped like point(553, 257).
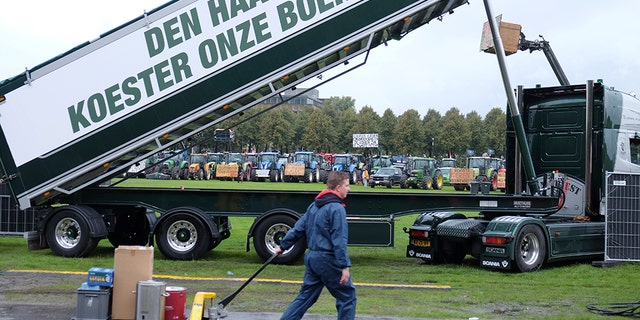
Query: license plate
point(421, 243)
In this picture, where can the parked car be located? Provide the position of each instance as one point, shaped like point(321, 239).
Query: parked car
point(388, 177)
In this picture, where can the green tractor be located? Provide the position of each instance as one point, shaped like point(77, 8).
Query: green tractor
point(423, 173)
point(378, 162)
point(485, 169)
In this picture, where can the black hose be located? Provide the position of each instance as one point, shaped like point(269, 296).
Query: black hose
point(631, 310)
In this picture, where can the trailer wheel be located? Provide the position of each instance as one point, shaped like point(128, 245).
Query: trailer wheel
point(68, 235)
point(183, 236)
point(530, 249)
point(268, 235)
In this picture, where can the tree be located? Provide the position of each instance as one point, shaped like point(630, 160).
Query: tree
point(319, 133)
point(275, 129)
point(495, 126)
point(409, 133)
point(478, 141)
point(431, 125)
point(454, 136)
point(387, 129)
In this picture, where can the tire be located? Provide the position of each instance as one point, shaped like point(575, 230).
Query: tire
point(494, 181)
point(316, 175)
point(269, 232)
point(403, 182)
point(530, 249)
point(354, 177)
point(201, 174)
point(426, 183)
point(439, 181)
point(175, 173)
point(308, 175)
point(273, 175)
point(390, 184)
point(183, 236)
point(68, 235)
point(324, 174)
point(452, 252)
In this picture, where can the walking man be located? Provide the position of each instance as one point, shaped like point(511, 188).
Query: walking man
point(326, 261)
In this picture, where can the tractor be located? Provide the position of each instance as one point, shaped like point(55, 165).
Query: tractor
point(423, 173)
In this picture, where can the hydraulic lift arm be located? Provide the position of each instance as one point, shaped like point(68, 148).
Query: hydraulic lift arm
point(543, 45)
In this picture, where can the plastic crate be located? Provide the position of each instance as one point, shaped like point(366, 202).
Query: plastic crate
point(94, 304)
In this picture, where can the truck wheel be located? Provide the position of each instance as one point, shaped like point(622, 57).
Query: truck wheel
point(530, 249)
point(201, 174)
point(68, 235)
point(183, 236)
point(453, 252)
point(268, 235)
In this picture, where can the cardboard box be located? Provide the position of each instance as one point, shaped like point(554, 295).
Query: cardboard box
point(100, 277)
point(509, 33)
point(130, 265)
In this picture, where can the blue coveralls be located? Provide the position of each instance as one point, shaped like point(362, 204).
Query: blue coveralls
point(325, 227)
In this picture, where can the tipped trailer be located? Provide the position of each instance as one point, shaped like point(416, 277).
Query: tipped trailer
point(153, 84)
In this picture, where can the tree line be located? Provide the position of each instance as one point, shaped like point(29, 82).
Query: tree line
point(331, 128)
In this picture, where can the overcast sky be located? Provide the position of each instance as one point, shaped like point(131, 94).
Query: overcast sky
point(438, 66)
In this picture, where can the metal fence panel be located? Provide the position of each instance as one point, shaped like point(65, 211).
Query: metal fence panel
point(622, 234)
point(14, 222)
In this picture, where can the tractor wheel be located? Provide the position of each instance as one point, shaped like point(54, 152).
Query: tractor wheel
point(494, 181)
point(438, 181)
point(308, 175)
point(354, 177)
point(426, 183)
point(403, 182)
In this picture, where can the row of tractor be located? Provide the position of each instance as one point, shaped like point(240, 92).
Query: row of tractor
point(429, 173)
point(309, 167)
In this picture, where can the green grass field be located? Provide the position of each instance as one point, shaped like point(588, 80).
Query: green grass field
point(557, 291)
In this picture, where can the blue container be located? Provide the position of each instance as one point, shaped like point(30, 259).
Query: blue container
point(100, 277)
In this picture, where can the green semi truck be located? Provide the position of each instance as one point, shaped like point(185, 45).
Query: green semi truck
point(575, 134)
